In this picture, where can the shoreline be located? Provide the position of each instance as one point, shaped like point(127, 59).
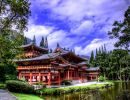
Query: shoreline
point(74, 88)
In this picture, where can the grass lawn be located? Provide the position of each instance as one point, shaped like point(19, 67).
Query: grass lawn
point(21, 96)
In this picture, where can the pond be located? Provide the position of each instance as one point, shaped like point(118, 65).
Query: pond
point(121, 91)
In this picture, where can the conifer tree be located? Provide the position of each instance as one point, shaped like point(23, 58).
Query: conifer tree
point(102, 49)
point(42, 43)
point(91, 58)
point(46, 43)
point(96, 53)
point(74, 51)
point(105, 50)
point(34, 40)
point(99, 52)
point(58, 45)
point(51, 50)
point(25, 41)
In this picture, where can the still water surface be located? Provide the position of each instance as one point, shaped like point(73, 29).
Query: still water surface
point(121, 91)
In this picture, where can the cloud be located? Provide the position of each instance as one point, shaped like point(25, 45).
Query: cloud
point(62, 38)
point(84, 28)
point(77, 10)
point(38, 30)
point(95, 44)
point(82, 24)
point(56, 37)
point(84, 14)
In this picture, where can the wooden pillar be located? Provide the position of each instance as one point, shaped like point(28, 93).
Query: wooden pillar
point(49, 79)
point(19, 75)
point(91, 77)
point(96, 77)
point(68, 75)
point(59, 78)
point(30, 78)
point(74, 73)
point(71, 74)
point(81, 77)
point(39, 77)
point(65, 74)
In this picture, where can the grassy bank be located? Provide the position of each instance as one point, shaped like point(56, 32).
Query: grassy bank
point(65, 90)
point(21, 96)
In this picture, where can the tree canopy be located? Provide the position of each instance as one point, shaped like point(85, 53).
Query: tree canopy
point(121, 31)
point(14, 16)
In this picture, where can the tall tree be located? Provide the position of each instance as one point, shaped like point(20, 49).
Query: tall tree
point(46, 42)
point(102, 49)
point(34, 40)
point(105, 50)
point(42, 43)
point(25, 41)
point(8, 51)
point(121, 31)
point(91, 58)
point(14, 17)
point(58, 45)
point(50, 51)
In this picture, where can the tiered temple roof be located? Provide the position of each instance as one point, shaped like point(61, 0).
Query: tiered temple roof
point(31, 45)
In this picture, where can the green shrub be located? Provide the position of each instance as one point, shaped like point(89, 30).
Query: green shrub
point(2, 86)
point(66, 82)
point(102, 79)
point(10, 77)
point(19, 86)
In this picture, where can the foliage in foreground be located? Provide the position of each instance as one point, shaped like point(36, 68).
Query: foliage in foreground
point(14, 18)
point(19, 86)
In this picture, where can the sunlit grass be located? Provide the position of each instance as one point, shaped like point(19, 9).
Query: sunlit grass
point(21, 96)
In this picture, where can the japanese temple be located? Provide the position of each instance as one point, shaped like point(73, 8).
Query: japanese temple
point(37, 64)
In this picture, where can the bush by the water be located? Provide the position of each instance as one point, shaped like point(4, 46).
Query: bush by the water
point(66, 82)
point(19, 86)
point(101, 78)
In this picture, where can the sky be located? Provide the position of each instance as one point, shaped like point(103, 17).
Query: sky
point(81, 25)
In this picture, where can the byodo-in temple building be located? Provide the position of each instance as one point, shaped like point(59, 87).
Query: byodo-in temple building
point(37, 64)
